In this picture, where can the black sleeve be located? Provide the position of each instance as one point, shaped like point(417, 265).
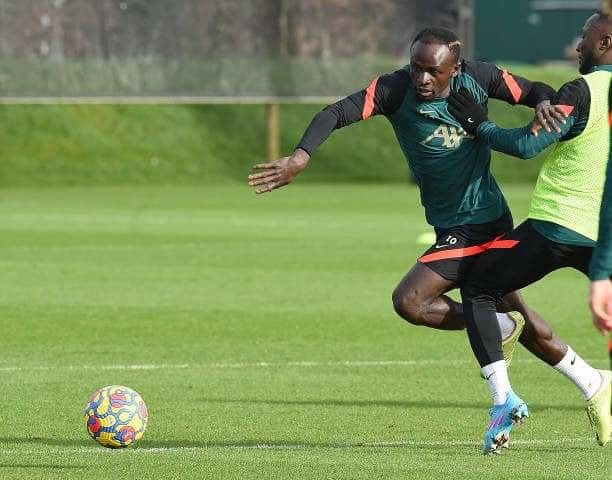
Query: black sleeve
point(382, 97)
point(503, 85)
point(575, 98)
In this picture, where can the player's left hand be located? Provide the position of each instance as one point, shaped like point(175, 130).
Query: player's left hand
point(548, 117)
point(600, 302)
point(466, 110)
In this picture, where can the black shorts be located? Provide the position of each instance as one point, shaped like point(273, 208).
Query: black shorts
point(458, 248)
point(532, 257)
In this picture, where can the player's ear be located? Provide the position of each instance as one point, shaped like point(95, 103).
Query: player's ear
point(606, 42)
point(456, 70)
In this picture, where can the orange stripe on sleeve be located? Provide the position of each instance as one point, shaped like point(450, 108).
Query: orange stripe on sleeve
point(610, 119)
point(513, 86)
point(368, 106)
point(567, 109)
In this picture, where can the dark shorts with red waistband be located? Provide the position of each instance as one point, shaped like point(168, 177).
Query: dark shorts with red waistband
point(458, 248)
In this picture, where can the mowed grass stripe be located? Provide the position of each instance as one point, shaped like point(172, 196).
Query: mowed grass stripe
point(240, 365)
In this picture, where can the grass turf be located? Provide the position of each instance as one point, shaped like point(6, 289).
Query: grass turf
point(260, 332)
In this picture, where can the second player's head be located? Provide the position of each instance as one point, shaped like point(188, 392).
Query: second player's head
point(595, 48)
point(434, 60)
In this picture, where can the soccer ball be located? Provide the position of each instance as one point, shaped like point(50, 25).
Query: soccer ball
point(116, 416)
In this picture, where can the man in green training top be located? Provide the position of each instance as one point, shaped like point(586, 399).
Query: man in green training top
point(460, 196)
point(561, 230)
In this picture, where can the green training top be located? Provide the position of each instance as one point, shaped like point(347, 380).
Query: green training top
point(451, 168)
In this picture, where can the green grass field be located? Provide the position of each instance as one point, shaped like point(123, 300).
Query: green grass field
point(260, 332)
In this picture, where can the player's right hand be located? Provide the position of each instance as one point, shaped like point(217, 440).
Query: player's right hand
point(601, 305)
point(278, 173)
point(548, 117)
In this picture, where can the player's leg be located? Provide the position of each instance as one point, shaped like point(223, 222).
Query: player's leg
point(537, 336)
point(419, 298)
point(529, 260)
point(598, 398)
point(481, 292)
point(508, 270)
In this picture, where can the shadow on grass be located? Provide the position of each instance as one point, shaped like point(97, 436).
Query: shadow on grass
point(297, 444)
point(417, 404)
point(51, 442)
point(301, 445)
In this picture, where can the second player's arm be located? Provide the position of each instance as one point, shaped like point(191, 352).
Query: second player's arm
point(520, 142)
point(573, 99)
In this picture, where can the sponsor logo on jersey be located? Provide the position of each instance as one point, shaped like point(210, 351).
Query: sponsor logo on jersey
point(427, 113)
point(450, 135)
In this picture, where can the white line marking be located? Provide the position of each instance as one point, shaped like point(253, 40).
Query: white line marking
point(239, 365)
point(287, 446)
point(162, 366)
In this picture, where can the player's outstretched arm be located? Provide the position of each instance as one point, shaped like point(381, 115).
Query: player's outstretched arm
point(383, 96)
point(278, 173)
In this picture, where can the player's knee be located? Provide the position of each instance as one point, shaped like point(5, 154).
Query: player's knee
point(408, 306)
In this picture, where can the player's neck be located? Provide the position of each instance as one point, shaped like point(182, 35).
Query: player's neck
point(445, 93)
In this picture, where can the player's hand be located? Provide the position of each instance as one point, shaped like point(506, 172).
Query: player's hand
point(600, 302)
point(548, 117)
point(466, 111)
point(271, 175)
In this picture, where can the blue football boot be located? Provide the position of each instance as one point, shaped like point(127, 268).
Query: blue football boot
point(503, 417)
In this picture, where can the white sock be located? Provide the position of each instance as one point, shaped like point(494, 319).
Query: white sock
point(496, 376)
point(585, 377)
point(506, 324)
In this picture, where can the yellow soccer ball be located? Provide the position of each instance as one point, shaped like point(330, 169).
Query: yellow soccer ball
point(116, 416)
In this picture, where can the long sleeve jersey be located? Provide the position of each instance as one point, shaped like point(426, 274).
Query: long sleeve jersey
point(451, 168)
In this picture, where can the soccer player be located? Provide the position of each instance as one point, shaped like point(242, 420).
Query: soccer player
point(560, 232)
point(462, 200)
point(600, 270)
